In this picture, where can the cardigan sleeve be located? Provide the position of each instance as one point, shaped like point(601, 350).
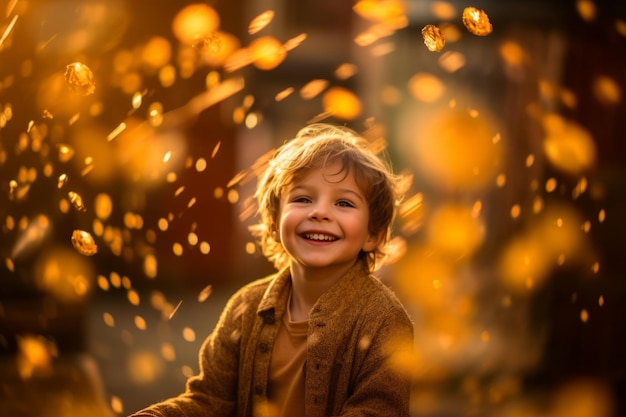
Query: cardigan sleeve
point(381, 388)
point(213, 392)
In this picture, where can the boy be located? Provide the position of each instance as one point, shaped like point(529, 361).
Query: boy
point(313, 339)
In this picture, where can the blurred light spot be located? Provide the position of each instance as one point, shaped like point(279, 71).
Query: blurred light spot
point(144, 367)
point(346, 71)
point(260, 21)
point(205, 248)
point(426, 87)
point(313, 88)
point(65, 275)
point(586, 9)
point(189, 335)
point(443, 10)
point(156, 53)
point(567, 145)
point(267, 52)
point(205, 293)
point(34, 356)
point(140, 323)
point(133, 297)
point(607, 91)
point(108, 319)
point(150, 266)
point(453, 229)
point(516, 210)
point(341, 103)
point(177, 249)
point(452, 61)
point(195, 21)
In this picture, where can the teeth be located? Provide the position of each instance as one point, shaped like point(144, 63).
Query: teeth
point(319, 236)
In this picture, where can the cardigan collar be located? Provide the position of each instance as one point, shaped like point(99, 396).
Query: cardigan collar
point(342, 293)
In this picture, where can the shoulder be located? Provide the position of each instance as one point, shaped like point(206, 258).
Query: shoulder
point(380, 298)
point(253, 291)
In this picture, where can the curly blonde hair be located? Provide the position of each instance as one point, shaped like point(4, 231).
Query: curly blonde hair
point(316, 146)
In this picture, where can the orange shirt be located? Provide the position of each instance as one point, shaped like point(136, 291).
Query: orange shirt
point(286, 379)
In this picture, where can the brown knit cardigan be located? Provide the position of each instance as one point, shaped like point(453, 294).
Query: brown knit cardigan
point(353, 328)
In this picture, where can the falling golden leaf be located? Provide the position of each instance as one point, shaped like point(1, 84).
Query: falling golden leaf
point(84, 243)
point(80, 79)
point(476, 21)
point(433, 38)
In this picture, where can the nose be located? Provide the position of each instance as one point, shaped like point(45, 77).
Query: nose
point(319, 212)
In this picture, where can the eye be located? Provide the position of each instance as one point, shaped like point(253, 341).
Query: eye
point(301, 199)
point(345, 203)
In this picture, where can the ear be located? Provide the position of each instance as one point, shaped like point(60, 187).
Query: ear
point(373, 240)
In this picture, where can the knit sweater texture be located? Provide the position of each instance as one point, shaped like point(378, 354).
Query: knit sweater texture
point(353, 329)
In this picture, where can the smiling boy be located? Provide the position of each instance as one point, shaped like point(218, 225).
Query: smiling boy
point(315, 338)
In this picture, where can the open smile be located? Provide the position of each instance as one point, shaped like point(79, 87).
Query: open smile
point(320, 237)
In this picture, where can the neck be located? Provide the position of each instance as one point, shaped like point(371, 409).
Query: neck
point(309, 284)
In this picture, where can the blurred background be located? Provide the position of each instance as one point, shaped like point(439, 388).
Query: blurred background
point(131, 132)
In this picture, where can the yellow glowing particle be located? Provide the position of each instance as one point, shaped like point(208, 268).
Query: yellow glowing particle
point(601, 301)
point(201, 165)
point(345, 71)
point(163, 224)
point(586, 10)
point(232, 196)
point(192, 238)
point(341, 103)
point(284, 94)
point(295, 41)
point(516, 210)
point(103, 283)
point(602, 216)
point(595, 268)
point(551, 184)
point(433, 38)
point(65, 153)
point(260, 22)
point(10, 265)
point(80, 79)
point(501, 180)
point(108, 319)
point(84, 243)
point(476, 21)
point(195, 21)
point(205, 248)
point(61, 181)
point(77, 201)
point(140, 323)
point(452, 61)
point(313, 88)
point(189, 334)
point(137, 100)
point(607, 91)
point(250, 248)
point(177, 249)
point(205, 293)
point(267, 52)
point(150, 266)
point(133, 297)
point(117, 405)
point(584, 315)
point(167, 352)
point(426, 87)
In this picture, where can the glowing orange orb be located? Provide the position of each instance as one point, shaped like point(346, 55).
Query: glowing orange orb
point(267, 52)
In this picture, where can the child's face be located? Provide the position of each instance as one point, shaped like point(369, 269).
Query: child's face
point(323, 220)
